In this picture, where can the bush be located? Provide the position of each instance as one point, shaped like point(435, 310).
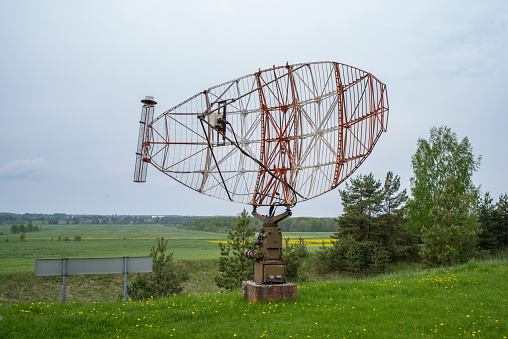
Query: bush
point(379, 258)
point(344, 255)
point(22, 237)
point(66, 239)
point(59, 238)
point(347, 254)
point(77, 238)
point(323, 258)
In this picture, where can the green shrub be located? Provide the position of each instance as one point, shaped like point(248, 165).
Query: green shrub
point(379, 258)
point(344, 255)
point(77, 238)
point(323, 258)
point(347, 254)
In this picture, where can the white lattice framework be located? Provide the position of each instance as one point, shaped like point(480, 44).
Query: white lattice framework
point(288, 133)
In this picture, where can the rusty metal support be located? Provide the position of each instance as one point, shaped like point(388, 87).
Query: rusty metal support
point(269, 266)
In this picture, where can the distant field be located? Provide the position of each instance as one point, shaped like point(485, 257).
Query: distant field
point(112, 241)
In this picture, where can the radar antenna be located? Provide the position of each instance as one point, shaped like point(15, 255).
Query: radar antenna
point(272, 138)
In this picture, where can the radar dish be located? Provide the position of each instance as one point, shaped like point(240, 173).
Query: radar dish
point(275, 137)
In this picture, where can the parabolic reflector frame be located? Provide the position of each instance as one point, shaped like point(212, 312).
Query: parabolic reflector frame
point(275, 137)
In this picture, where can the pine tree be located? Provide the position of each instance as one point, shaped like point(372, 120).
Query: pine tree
point(234, 267)
point(369, 229)
point(395, 242)
point(488, 239)
point(359, 225)
point(501, 218)
point(361, 201)
point(393, 200)
point(165, 280)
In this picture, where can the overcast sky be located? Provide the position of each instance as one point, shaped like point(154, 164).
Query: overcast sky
point(72, 74)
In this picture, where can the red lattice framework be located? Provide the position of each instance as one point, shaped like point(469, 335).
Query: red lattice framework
point(278, 136)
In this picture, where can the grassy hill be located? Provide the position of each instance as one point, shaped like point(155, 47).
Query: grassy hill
point(463, 301)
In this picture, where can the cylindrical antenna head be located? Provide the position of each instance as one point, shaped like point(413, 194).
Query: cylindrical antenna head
point(149, 100)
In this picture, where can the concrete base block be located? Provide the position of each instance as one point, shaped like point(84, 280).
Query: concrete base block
point(265, 292)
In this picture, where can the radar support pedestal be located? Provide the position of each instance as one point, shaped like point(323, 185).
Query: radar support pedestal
point(269, 277)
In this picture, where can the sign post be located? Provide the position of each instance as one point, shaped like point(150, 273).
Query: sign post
point(64, 274)
point(125, 271)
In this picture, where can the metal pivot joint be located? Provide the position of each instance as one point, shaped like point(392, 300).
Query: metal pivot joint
point(268, 262)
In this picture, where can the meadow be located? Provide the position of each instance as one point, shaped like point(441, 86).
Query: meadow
point(464, 301)
point(112, 241)
point(195, 251)
point(102, 241)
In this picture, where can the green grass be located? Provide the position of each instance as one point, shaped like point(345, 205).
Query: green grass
point(464, 301)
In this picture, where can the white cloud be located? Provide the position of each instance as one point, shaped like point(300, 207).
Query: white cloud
point(20, 169)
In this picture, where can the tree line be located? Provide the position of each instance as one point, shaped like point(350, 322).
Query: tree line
point(493, 219)
point(24, 229)
point(445, 221)
point(67, 219)
point(225, 224)
point(370, 233)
